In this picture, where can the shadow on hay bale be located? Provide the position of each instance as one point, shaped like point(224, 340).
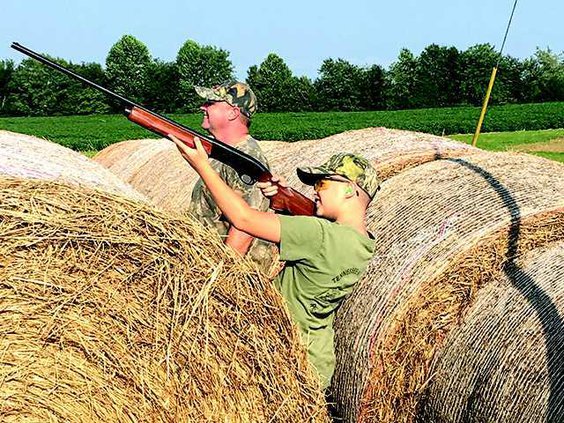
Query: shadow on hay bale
point(30, 157)
point(444, 230)
point(114, 312)
point(504, 363)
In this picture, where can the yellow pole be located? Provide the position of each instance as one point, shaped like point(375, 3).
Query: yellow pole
point(484, 107)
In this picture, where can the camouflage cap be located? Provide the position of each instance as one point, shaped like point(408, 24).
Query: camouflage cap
point(355, 168)
point(235, 93)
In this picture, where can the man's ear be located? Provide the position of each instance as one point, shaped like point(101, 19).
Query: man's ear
point(234, 113)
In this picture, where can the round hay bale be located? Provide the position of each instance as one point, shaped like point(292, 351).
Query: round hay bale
point(154, 168)
point(115, 312)
point(112, 157)
point(30, 157)
point(390, 151)
point(442, 230)
point(507, 353)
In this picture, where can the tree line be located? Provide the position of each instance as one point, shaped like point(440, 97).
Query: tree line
point(439, 76)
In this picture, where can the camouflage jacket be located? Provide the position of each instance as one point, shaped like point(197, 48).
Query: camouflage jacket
point(204, 208)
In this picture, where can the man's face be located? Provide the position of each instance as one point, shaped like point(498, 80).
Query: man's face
point(217, 114)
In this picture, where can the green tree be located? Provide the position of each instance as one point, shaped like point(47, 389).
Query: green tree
point(127, 68)
point(200, 65)
point(437, 77)
point(476, 65)
point(273, 84)
point(301, 94)
point(373, 88)
point(338, 86)
point(163, 87)
point(530, 80)
point(6, 71)
point(511, 87)
point(401, 81)
point(550, 75)
point(36, 90)
point(82, 100)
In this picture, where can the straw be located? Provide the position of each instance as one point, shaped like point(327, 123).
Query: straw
point(115, 312)
point(507, 353)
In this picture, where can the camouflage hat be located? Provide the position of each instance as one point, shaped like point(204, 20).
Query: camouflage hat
point(235, 93)
point(355, 168)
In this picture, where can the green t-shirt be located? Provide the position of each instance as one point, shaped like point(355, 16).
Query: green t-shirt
point(324, 260)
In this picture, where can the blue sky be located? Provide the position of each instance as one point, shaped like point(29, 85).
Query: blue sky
point(303, 33)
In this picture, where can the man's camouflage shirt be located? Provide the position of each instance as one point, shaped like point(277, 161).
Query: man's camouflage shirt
point(204, 208)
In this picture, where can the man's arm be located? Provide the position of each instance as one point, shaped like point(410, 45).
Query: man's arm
point(256, 223)
point(238, 240)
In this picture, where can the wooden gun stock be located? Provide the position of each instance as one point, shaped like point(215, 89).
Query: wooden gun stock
point(155, 124)
point(290, 201)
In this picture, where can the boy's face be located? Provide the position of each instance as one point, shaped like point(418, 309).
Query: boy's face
point(330, 193)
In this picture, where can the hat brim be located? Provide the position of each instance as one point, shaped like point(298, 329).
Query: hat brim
point(208, 94)
point(310, 175)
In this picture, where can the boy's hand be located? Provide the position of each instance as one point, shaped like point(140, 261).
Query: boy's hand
point(270, 188)
point(194, 156)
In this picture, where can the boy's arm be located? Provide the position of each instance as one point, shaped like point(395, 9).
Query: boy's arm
point(256, 223)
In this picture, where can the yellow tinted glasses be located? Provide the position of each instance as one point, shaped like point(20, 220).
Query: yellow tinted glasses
point(323, 183)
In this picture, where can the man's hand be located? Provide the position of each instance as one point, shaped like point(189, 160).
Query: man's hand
point(270, 188)
point(196, 157)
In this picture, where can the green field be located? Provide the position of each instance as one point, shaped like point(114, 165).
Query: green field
point(96, 132)
point(519, 127)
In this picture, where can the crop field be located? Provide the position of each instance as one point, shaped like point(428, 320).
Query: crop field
point(517, 127)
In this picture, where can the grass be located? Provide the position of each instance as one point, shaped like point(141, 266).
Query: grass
point(501, 141)
point(559, 157)
point(83, 133)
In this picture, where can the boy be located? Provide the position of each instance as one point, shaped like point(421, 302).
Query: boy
point(325, 255)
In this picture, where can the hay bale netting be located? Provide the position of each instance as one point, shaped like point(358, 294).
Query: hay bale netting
point(516, 375)
point(442, 230)
point(114, 312)
point(154, 168)
point(390, 150)
point(30, 157)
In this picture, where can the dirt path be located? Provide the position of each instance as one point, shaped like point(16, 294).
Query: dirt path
point(552, 146)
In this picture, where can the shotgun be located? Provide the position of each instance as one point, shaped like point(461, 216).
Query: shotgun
point(250, 170)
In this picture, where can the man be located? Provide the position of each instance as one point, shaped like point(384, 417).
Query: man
point(325, 255)
point(228, 109)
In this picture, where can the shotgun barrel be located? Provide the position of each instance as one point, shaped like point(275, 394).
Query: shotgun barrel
point(249, 168)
